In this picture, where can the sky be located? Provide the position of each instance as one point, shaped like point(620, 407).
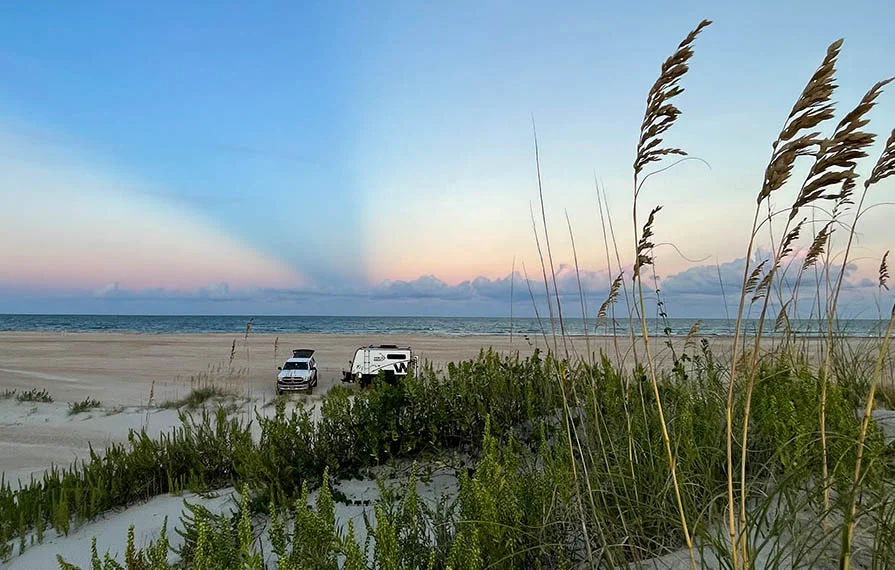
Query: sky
point(361, 159)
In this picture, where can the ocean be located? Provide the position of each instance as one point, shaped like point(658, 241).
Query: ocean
point(155, 324)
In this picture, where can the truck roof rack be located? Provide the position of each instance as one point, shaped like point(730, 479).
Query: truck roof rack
point(302, 353)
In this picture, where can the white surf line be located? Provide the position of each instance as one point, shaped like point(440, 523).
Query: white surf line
point(42, 375)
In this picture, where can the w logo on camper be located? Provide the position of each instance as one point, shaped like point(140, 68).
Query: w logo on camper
point(400, 367)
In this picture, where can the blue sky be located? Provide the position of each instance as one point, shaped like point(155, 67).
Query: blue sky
point(290, 158)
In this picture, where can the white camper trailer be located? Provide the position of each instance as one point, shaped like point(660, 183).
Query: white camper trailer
point(391, 360)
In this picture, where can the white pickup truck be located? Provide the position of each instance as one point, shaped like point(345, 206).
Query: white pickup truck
point(298, 373)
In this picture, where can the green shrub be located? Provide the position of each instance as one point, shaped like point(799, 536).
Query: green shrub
point(35, 395)
point(83, 406)
point(197, 397)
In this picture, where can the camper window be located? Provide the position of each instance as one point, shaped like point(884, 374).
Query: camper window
point(395, 356)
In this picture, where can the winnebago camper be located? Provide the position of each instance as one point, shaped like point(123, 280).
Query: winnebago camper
point(393, 361)
point(298, 372)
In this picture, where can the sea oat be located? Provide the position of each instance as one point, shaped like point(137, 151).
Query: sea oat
point(660, 113)
point(812, 108)
point(885, 166)
point(884, 272)
point(645, 246)
point(817, 246)
point(613, 295)
point(838, 156)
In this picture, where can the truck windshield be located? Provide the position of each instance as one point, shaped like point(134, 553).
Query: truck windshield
point(295, 366)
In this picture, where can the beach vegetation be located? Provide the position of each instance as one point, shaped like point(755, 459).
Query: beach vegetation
point(35, 395)
point(198, 397)
point(84, 405)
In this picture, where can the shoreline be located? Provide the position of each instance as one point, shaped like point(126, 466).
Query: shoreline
point(451, 327)
point(448, 335)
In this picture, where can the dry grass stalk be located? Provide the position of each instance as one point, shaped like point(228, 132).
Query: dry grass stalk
point(796, 139)
point(535, 305)
point(613, 295)
point(534, 230)
point(644, 254)
point(781, 323)
point(628, 299)
point(232, 355)
point(786, 247)
point(885, 166)
point(752, 281)
point(844, 157)
point(849, 526)
point(838, 156)
point(660, 113)
point(608, 273)
point(817, 246)
point(812, 108)
point(562, 328)
point(691, 334)
point(659, 116)
point(561, 370)
point(512, 284)
point(276, 350)
point(834, 164)
point(815, 251)
point(884, 272)
point(580, 290)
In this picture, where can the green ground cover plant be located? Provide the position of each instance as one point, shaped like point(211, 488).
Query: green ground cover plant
point(198, 397)
point(34, 395)
point(84, 405)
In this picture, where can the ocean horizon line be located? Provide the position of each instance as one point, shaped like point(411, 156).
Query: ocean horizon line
point(409, 325)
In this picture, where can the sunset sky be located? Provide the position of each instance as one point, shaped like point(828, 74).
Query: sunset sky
point(353, 158)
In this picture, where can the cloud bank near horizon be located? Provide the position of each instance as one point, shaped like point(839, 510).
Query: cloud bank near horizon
point(700, 291)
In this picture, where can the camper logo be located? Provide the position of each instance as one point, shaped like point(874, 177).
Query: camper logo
point(400, 367)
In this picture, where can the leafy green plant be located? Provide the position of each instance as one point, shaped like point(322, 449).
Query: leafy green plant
point(197, 398)
point(83, 406)
point(35, 395)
